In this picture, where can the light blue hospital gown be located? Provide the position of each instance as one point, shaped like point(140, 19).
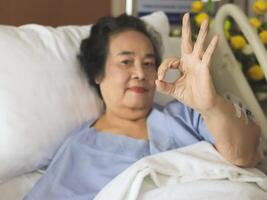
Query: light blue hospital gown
point(89, 159)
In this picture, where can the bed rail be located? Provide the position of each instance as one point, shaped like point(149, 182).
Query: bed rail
point(229, 76)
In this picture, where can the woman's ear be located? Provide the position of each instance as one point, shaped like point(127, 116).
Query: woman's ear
point(98, 80)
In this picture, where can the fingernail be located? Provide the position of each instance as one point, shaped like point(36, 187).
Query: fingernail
point(187, 16)
point(160, 77)
point(157, 82)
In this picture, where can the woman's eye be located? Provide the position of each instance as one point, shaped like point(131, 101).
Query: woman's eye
point(126, 62)
point(149, 64)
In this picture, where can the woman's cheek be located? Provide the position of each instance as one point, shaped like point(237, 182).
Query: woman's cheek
point(153, 76)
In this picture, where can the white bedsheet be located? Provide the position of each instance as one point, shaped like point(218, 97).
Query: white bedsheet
point(194, 172)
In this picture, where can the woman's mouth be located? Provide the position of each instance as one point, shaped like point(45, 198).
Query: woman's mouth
point(139, 90)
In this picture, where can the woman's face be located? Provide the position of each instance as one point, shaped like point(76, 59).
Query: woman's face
point(130, 72)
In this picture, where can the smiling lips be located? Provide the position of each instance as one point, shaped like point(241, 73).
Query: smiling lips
point(139, 90)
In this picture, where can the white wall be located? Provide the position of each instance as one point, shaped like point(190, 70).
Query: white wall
point(118, 7)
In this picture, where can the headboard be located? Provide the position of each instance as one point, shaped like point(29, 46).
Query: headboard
point(52, 12)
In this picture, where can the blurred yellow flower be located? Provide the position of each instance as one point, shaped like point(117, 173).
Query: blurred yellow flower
point(263, 36)
point(238, 42)
point(199, 18)
point(260, 7)
point(255, 73)
point(255, 22)
point(197, 6)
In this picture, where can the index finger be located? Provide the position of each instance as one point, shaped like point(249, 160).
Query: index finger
point(169, 63)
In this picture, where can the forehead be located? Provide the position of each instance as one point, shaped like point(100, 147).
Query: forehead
point(130, 40)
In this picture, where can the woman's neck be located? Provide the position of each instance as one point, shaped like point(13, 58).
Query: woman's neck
point(130, 124)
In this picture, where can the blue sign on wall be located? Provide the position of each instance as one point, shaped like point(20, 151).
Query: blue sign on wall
point(173, 8)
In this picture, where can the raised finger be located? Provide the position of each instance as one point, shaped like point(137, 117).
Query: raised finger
point(170, 63)
point(186, 43)
point(198, 47)
point(210, 50)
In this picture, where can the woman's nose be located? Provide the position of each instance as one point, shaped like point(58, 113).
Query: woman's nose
point(139, 72)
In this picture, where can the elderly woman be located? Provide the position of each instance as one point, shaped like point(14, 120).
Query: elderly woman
point(121, 59)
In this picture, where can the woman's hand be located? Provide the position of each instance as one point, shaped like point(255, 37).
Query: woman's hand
point(195, 87)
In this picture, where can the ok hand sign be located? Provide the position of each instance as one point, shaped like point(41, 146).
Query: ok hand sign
point(195, 87)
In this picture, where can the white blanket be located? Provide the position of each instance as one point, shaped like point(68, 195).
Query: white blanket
point(194, 172)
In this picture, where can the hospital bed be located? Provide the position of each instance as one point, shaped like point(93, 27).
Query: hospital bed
point(43, 95)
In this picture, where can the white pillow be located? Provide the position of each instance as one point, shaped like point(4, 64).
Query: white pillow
point(43, 94)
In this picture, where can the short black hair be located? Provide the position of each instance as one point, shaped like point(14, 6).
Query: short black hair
point(94, 48)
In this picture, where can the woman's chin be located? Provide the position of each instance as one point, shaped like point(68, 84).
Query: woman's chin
point(136, 101)
point(139, 105)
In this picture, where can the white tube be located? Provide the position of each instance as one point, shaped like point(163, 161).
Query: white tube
point(129, 7)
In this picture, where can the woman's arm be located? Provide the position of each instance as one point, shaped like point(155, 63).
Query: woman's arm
point(236, 138)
